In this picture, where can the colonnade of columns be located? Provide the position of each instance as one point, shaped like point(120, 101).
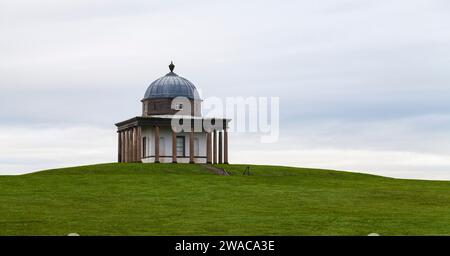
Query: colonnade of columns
point(129, 145)
point(130, 148)
point(219, 152)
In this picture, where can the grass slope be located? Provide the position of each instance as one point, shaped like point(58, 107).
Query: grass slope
point(183, 199)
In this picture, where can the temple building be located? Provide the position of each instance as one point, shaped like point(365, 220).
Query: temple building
point(171, 128)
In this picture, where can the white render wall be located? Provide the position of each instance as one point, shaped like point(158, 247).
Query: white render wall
point(165, 145)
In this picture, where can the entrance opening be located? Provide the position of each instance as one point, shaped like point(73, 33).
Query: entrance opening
point(181, 149)
point(144, 147)
point(196, 147)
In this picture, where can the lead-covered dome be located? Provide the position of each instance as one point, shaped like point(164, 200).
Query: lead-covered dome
point(171, 86)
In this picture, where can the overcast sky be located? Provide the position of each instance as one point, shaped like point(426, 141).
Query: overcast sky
point(363, 85)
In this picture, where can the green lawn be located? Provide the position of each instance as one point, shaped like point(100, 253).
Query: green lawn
point(186, 199)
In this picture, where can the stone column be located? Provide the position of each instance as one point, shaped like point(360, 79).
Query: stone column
point(130, 146)
point(128, 135)
point(174, 146)
point(220, 148)
point(125, 138)
point(208, 148)
point(214, 147)
point(191, 146)
point(123, 146)
point(156, 144)
point(119, 148)
point(134, 136)
point(225, 145)
point(135, 140)
point(139, 144)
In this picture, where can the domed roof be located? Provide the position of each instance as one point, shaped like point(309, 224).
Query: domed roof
point(171, 86)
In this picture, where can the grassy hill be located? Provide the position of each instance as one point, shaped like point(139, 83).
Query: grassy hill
point(184, 199)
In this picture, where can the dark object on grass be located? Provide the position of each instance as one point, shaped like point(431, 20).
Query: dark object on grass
point(247, 171)
point(216, 169)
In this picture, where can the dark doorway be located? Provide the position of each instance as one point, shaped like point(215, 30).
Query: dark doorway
point(144, 147)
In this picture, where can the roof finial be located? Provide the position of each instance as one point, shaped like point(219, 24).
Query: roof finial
point(171, 66)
